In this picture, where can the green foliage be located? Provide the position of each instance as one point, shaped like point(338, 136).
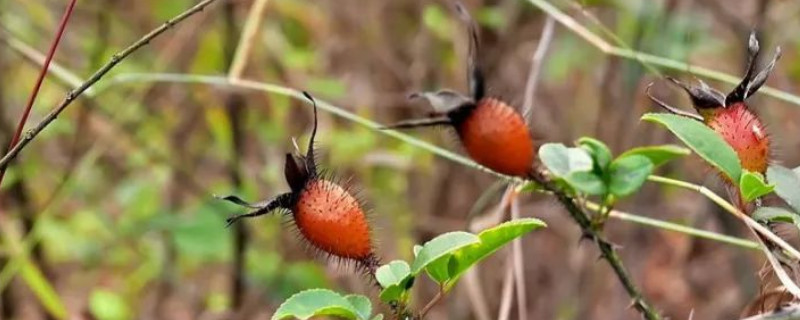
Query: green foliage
point(628, 173)
point(491, 17)
point(395, 277)
point(563, 161)
point(752, 186)
point(773, 214)
point(491, 240)
point(446, 257)
point(435, 254)
point(787, 184)
point(198, 234)
point(43, 290)
point(598, 150)
point(322, 302)
point(573, 166)
point(658, 155)
point(108, 305)
point(435, 19)
point(592, 170)
point(704, 141)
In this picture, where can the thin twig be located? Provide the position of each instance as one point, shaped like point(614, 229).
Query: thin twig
point(438, 297)
point(234, 105)
point(508, 291)
point(519, 266)
point(666, 225)
point(61, 74)
point(730, 209)
point(536, 68)
point(477, 299)
point(752, 225)
point(35, 92)
point(246, 41)
point(99, 74)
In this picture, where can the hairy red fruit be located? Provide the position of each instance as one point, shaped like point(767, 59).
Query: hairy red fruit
point(496, 136)
point(729, 115)
point(332, 220)
point(744, 132)
point(493, 133)
point(327, 215)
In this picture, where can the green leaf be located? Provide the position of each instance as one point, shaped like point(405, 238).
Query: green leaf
point(43, 289)
point(773, 214)
point(787, 184)
point(394, 277)
point(392, 273)
point(586, 182)
point(705, 142)
point(435, 19)
point(108, 305)
point(378, 317)
point(658, 155)
point(392, 293)
point(628, 174)
point(598, 150)
point(491, 240)
point(436, 253)
point(753, 186)
point(316, 302)
point(562, 161)
point(417, 249)
point(361, 304)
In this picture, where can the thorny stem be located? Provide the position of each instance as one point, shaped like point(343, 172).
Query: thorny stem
point(607, 250)
point(35, 92)
point(99, 74)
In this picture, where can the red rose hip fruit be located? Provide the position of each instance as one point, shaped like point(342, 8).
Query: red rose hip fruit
point(327, 215)
point(493, 133)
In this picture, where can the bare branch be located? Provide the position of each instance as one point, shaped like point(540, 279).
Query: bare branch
point(536, 68)
point(99, 74)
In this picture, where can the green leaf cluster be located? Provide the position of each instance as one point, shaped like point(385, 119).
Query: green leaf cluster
point(591, 169)
point(323, 302)
point(444, 259)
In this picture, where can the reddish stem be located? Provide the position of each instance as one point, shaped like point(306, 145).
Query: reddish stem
point(21, 125)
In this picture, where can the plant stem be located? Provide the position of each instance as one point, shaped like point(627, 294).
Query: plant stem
point(35, 92)
point(99, 74)
point(665, 225)
point(234, 106)
point(731, 209)
point(519, 265)
point(438, 297)
point(606, 248)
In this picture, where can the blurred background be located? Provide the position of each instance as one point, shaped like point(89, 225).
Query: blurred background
point(114, 200)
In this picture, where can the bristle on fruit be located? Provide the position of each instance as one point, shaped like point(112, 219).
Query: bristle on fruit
point(332, 220)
